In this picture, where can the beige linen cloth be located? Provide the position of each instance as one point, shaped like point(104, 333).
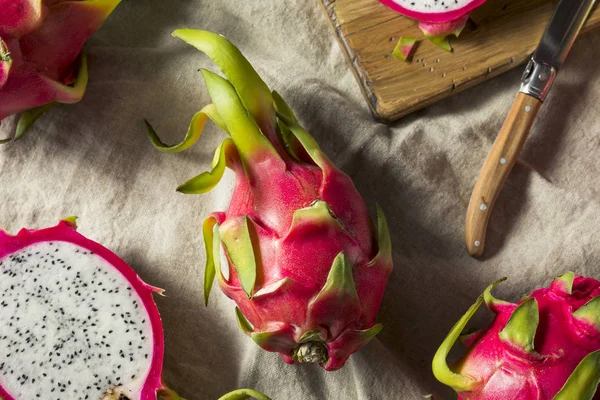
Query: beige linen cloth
point(93, 160)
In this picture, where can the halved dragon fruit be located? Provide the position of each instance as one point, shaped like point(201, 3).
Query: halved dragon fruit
point(76, 321)
point(546, 346)
point(437, 19)
point(41, 62)
point(306, 267)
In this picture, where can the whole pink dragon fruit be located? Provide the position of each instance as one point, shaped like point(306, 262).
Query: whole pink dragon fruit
point(41, 62)
point(437, 19)
point(77, 322)
point(546, 346)
point(305, 266)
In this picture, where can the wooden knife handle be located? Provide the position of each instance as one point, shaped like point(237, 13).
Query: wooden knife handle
point(497, 167)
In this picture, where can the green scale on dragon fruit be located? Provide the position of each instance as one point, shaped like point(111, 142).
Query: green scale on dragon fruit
point(76, 321)
point(41, 59)
point(305, 264)
point(438, 19)
point(546, 346)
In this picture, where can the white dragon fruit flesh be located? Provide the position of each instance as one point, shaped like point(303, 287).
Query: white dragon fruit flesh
point(76, 322)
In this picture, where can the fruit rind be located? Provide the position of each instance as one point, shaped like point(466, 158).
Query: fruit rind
point(404, 48)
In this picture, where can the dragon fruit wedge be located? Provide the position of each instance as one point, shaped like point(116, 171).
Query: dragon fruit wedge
point(546, 346)
point(306, 267)
point(437, 19)
point(405, 47)
point(41, 62)
point(76, 321)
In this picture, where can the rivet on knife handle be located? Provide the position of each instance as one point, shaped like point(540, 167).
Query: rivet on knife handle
point(497, 167)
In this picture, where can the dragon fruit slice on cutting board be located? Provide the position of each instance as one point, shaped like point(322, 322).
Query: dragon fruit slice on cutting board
point(306, 267)
point(41, 60)
point(76, 321)
point(546, 346)
point(437, 19)
point(405, 48)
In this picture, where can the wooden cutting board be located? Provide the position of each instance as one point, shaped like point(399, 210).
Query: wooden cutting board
point(499, 36)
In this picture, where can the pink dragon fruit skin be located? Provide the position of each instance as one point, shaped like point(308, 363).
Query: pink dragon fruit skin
point(437, 19)
point(41, 61)
point(305, 266)
point(546, 346)
point(20, 250)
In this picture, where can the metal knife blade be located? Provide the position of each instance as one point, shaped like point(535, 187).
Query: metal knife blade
point(552, 51)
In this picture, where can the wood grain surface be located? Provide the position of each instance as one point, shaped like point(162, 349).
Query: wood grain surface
point(498, 164)
point(499, 36)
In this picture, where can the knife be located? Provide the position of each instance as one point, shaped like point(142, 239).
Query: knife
point(537, 79)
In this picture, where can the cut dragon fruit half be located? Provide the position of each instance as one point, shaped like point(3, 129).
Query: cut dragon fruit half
point(307, 267)
point(77, 322)
point(546, 346)
point(437, 19)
